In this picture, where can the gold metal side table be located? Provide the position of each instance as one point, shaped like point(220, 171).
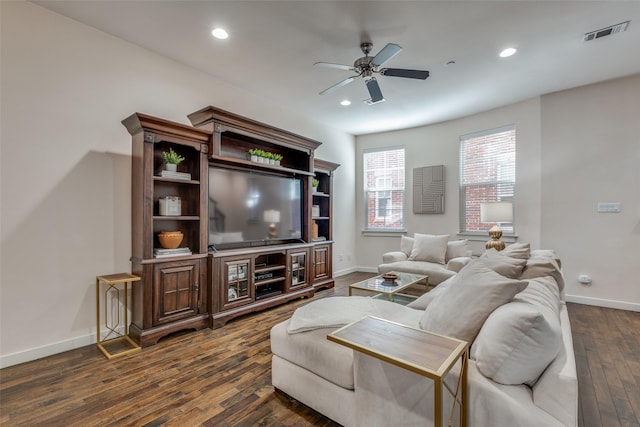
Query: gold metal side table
point(116, 307)
point(416, 350)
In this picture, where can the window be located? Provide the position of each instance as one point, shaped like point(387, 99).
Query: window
point(384, 189)
point(487, 174)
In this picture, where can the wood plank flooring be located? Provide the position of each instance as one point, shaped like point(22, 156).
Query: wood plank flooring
point(222, 377)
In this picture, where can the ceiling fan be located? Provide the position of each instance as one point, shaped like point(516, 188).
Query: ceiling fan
point(366, 66)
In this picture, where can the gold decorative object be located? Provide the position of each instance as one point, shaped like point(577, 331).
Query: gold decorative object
point(496, 212)
point(170, 239)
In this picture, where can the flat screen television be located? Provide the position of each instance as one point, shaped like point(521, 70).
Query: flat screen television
point(249, 207)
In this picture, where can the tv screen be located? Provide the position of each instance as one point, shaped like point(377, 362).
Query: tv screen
point(249, 207)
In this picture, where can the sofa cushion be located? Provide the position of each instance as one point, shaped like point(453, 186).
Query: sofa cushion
point(518, 250)
point(520, 338)
point(470, 297)
point(422, 302)
point(313, 351)
point(437, 272)
point(456, 249)
point(406, 245)
point(503, 264)
point(430, 248)
point(542, 264)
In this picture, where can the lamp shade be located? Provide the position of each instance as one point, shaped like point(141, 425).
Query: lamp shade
point(496, 212)
point(271, 216)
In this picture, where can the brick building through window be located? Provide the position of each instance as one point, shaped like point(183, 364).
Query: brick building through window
point(487, 174)
point(384, 189)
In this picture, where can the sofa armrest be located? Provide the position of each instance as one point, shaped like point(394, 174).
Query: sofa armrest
point(395, 256)
point(456, 264)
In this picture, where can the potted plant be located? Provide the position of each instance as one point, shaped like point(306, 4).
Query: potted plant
point(314, 184)
point(261, 156)
point(277, 158)
point(253, 153)
point(270, 158)
point(171, 160)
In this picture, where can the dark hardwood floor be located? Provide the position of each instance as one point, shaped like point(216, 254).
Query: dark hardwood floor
point(222, 377)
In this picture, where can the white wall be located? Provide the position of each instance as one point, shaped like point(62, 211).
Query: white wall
point(575, 148)
point(65, 175)
point(439, 145)
point(591, 154)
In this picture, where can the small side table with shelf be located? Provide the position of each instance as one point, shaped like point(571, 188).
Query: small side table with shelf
point(416, 350)
point(116, 341)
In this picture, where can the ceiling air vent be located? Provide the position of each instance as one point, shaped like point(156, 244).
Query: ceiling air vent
point(618, 28)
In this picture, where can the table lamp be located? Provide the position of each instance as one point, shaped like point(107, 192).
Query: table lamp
point(273, 217)
point(496, 212)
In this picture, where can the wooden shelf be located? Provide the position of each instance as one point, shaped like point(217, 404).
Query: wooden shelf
point(176, 180)
point(229, 161)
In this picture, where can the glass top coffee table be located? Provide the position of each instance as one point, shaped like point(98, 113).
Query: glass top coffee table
point(389, 288)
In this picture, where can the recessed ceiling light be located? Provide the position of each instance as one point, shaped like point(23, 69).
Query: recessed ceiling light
point(345, 102)
point(508, 52)
point(220, 33)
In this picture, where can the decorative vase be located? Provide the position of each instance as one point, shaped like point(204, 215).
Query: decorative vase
point(170, 239)
point(171, 167)
point(254, 158)
point(315, 189)
point(272, 162)
point(277, 162)
point(261, 159)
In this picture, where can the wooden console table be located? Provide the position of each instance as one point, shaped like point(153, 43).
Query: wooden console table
point(416, 350)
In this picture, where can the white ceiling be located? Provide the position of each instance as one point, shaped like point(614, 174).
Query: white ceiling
point(273, 45)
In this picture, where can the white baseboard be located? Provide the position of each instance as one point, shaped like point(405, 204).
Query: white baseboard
point(620, 305)
point(46, 350)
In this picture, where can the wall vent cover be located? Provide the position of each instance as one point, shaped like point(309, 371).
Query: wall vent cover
point(618, 28)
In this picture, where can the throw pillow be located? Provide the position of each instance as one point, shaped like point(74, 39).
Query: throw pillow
point(518, 250)
point(406, 245)
point(457, 248)
point(502, 264)
point(540, 266)
point(427, 247)
point(424, 300)
point(471, 296)
point(519, 339)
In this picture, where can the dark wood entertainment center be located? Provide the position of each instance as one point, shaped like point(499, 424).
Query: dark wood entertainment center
point(216, 283)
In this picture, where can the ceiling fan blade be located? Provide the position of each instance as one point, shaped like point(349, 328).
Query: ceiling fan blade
point(374, 90)
point(400, 72)
point(338, 85)
point(387, 52)
point(337, 66)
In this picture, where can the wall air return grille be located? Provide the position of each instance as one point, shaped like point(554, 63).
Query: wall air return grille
point(618, 28)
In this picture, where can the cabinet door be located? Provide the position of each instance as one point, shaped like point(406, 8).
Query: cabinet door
point(321, 262)
point(236, 283)
point(298, 268)
point(176, 293)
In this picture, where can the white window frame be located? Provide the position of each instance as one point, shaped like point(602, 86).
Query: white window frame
point(504, 181)
point(384, 176)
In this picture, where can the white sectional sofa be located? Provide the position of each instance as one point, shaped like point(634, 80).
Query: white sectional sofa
point(429, 255)
point(522, 368)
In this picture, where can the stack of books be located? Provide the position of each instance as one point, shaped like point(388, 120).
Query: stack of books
point(166, 253)
point(175, 175)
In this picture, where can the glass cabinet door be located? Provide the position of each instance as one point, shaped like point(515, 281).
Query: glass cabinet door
point(298, 269)
point(237, 279)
